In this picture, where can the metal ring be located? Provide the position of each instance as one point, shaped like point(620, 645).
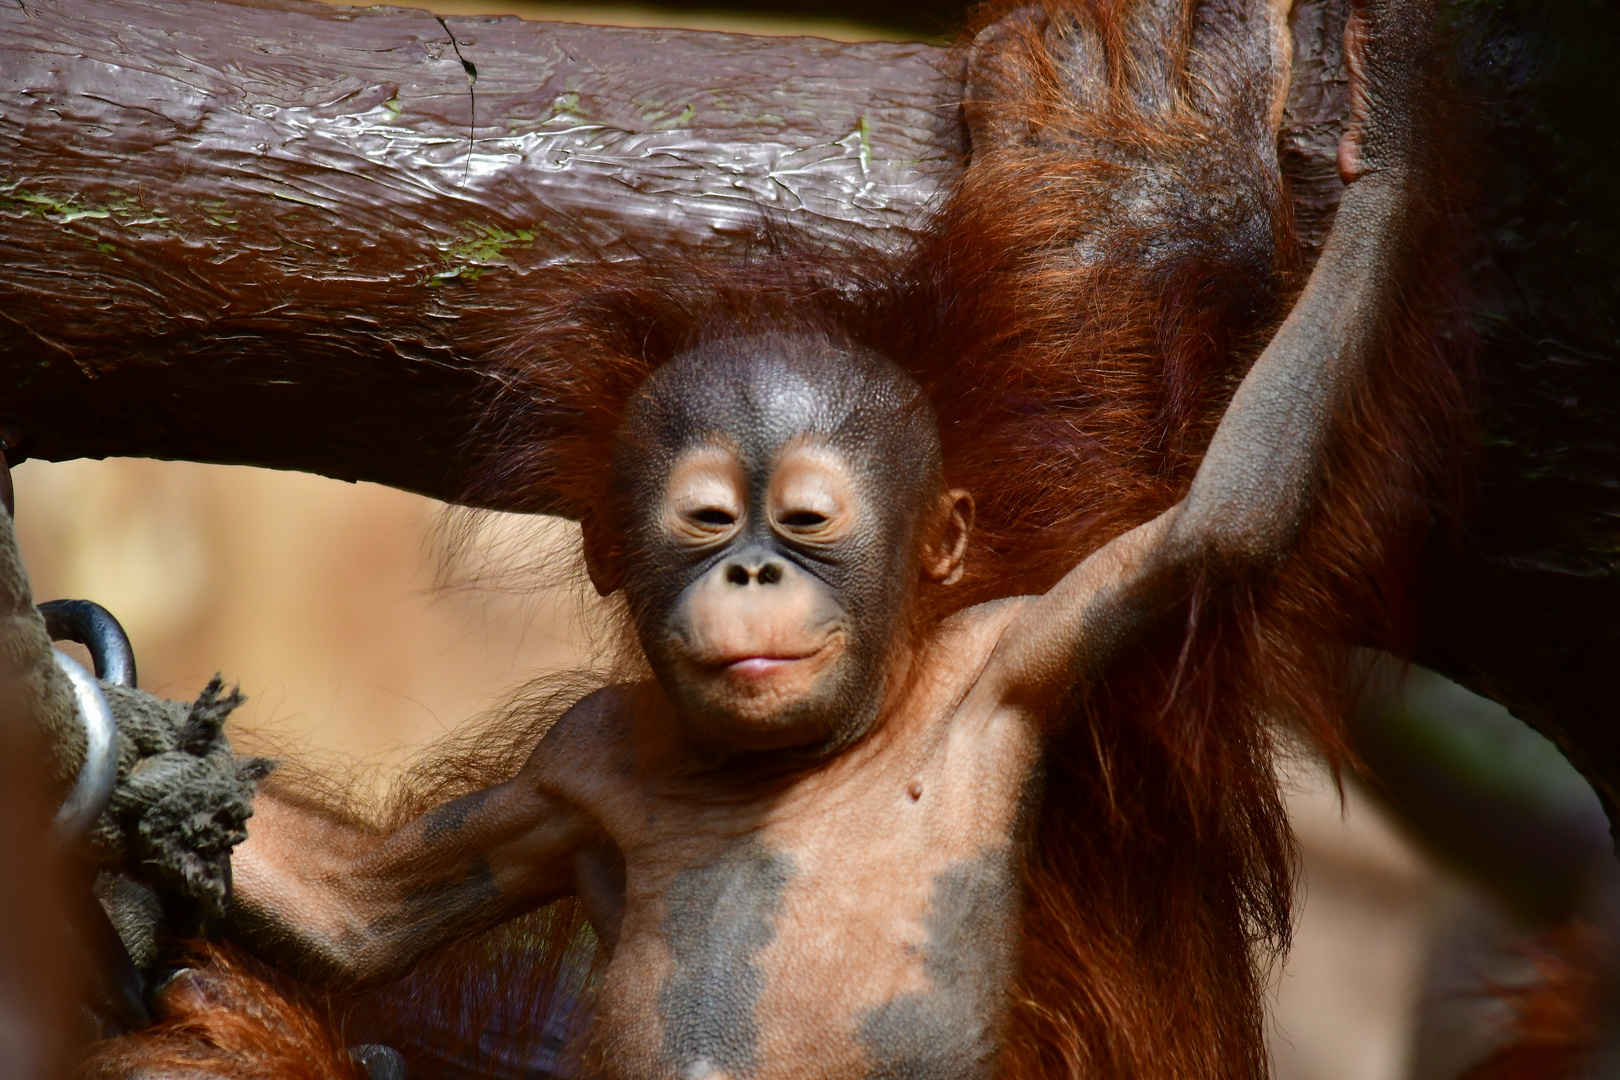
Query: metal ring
point(93, 787)
point(94, 627)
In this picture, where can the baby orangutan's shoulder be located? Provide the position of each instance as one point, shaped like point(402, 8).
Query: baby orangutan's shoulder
point(979, 627)
point(592, 734)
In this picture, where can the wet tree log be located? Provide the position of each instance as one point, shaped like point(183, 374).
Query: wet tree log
point(285, 233)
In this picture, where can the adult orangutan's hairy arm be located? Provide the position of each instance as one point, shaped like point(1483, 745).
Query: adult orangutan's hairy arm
point(1260, 476)
point(343, 905)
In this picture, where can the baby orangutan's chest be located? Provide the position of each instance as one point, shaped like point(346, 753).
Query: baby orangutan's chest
point(844, 943)
point(757, 966)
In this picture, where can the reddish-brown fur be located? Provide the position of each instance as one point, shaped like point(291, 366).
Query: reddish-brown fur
point(1556, 1024)
point(232, 1021)
point(1075, 399)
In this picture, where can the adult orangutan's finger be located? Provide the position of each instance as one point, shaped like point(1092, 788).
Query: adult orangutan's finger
point(1239, 61)
point(1154, 35)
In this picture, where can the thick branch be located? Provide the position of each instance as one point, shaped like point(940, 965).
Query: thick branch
point(285, 234)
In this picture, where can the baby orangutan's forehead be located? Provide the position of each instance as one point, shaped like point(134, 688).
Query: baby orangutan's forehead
point(763, 394)
point(753, 391)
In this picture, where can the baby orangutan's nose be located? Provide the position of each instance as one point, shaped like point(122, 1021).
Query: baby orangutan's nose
point(753, 568)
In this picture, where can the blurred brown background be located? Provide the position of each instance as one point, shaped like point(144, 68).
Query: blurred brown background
point(323, 599)
point(358, 637)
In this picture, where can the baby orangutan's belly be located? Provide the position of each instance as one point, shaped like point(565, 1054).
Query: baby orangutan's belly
point(761, 964)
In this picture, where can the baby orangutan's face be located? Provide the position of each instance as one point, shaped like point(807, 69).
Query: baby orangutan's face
point(780, 504)
point(758, 644)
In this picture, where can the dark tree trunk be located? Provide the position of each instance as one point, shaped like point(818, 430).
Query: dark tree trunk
point(1522, 599)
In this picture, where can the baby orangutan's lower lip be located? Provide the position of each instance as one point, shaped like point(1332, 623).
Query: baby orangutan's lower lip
point(759, 667)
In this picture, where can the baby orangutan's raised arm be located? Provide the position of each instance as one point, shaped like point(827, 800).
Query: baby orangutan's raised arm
point(1259, 478)
point(342, 905)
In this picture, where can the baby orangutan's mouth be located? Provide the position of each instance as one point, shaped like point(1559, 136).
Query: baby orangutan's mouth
point(769, 670)
point(777, 665)
point(761, 667)
point(755, 694)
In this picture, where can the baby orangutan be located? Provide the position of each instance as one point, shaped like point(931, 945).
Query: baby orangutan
point(802, 844)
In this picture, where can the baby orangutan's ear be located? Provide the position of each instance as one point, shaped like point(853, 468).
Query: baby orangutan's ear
point(604, 560)
point(942, 555)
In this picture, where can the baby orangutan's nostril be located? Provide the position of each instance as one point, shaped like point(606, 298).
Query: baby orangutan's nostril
point(770, 573)
point(736, 575)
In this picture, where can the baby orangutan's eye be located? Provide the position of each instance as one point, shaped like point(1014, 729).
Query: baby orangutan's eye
point(706, 495)
point(812, 497)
